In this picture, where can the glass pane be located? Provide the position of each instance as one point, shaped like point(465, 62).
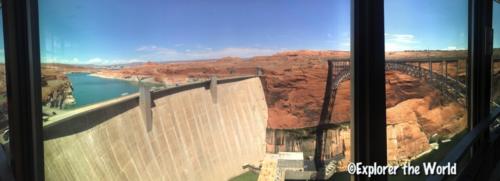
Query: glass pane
point(184, 90)
point(426, 52)
point(4, 118)
point(495, 64)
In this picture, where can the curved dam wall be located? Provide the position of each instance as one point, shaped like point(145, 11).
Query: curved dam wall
point(194, 135)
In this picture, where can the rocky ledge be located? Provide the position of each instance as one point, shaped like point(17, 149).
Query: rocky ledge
point(57, 91)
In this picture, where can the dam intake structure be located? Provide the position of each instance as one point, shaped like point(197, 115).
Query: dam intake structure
point(191, 134)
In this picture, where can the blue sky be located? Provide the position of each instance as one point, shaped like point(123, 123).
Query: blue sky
point(113, 31)
point(123, 31)
point(425, 24)
point(496, 25)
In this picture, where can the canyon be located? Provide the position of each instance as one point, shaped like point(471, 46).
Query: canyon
point(294, 81)
point(294, 85)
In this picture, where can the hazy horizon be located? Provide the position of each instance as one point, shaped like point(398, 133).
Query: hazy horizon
point(215, 59)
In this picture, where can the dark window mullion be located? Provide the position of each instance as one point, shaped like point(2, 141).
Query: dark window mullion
point(368, 135)
point(479, 63)
point(22, 59)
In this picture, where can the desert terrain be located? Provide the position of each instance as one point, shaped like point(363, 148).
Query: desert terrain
point(294, 81)
point(294, 84)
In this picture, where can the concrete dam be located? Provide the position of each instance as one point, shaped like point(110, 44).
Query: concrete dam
point(199, 131)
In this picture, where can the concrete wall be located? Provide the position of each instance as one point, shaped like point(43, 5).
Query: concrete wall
point(191, 138)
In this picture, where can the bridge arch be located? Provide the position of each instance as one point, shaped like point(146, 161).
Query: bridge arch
point(449, 86)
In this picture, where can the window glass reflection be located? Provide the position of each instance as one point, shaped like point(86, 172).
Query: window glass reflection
point(4, 118)
point(426, 52)
point(495, 79)
point(184, 90)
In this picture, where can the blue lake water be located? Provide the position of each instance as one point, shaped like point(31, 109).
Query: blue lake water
point(90, 89)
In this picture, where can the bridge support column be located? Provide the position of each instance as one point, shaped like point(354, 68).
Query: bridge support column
point(446, 71)
point(441, 64)
point(320, 131)
point(430, 70)
point(419, 69)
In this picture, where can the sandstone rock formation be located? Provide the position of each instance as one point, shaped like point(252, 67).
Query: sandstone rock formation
point(293, 81)
point(56, 88)
point(416, 112)
point(496, 82)
point(410, 125)
point(294, 86)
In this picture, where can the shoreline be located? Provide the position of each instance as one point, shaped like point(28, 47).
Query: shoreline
point(148, 80)
point(50, 112)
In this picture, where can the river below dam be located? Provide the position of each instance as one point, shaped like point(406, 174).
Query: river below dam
point(88, 89)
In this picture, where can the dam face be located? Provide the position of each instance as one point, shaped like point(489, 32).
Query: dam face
point(192, 136)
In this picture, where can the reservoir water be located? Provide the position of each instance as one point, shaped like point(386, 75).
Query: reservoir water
point(89, 89)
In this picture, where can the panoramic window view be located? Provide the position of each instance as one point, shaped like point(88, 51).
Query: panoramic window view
point(243, 90)
point(183, 90)
point(4, 119)
point(495, 64)
point(426, 53)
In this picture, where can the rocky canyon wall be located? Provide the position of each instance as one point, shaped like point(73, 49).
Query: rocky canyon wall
point(417, 115)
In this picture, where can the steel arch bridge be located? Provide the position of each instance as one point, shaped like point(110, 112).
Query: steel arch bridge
point(450, 84)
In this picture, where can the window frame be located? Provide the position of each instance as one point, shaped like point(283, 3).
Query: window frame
point(22, 61)
point(22, 51)
point(368, 110)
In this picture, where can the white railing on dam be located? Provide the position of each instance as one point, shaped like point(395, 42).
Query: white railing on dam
point(191, 137)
